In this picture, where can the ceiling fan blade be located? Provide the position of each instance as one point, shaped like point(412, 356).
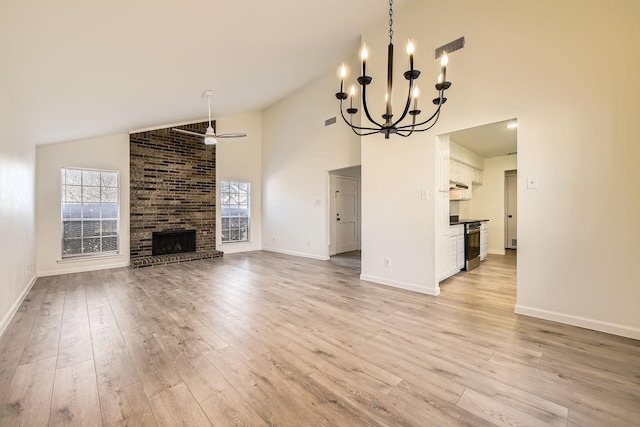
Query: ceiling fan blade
point(231, 135)
point(188, 132)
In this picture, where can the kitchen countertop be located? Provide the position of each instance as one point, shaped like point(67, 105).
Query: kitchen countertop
point(467, 221)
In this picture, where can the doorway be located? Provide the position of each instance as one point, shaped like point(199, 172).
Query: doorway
point(344, 215)
point(344, 211)
point(511, 209)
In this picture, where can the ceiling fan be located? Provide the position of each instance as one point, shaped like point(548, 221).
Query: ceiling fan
point(210, 137)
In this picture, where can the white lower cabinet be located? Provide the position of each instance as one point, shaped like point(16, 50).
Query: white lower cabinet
point(483, 241)
point(460, 250)
point(455, 254)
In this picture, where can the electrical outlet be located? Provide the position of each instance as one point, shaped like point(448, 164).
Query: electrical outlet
point(532, 182)
point(424, 194)
point(274, 239)
point(387, 262)
point(308, 244)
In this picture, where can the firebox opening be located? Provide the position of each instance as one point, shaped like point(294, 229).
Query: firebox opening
point(173, 242)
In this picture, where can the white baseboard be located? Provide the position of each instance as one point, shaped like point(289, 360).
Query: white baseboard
point(583, 322)
point(300, 254)
point(401, 285)
point(14, 308)
point(82, 268)
point(238, 249)
point(496, 252)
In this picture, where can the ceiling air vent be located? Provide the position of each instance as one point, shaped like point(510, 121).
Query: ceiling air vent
point(450, 47)
point(330, 121)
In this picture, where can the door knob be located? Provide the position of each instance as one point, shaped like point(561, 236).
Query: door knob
point(509, 216)
point(337, 219)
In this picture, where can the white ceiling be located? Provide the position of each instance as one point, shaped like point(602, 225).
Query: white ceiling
point(76, 68)
point(491, 140)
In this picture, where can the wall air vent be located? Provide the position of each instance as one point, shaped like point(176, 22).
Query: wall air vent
point(450, 47)
point(330, 121)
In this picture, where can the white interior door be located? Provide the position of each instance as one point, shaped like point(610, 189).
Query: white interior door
point(511, 210)
point(346, 214)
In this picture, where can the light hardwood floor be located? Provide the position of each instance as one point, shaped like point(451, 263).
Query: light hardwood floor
point(266, 339)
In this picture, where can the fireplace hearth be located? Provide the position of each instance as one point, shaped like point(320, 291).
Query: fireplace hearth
point(173, 242)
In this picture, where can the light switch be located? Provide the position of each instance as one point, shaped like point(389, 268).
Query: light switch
point(532, 182)
point(424, 194)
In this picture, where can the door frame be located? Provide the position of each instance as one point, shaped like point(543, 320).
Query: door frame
point(507, 174)
point(331, 241)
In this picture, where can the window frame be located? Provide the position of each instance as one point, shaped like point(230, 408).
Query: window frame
point(82, 220)
point(247, 206)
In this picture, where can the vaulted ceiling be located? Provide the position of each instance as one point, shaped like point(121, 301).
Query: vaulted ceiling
point(77, 69)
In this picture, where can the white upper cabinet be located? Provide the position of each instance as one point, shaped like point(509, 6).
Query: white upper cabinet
point(477, 177)
point(463, 174)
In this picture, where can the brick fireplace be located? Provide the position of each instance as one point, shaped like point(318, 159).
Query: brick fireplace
point(173, 190)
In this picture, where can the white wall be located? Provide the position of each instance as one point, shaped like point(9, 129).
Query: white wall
point(298, 152)
point(17, 211)
point(578, 133)
point(109, 152)
point(488, 200)
point(241, 160)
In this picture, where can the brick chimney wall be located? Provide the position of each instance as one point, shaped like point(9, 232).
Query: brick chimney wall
point(173, 187)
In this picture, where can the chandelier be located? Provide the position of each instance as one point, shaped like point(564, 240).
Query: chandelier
point(389, 126)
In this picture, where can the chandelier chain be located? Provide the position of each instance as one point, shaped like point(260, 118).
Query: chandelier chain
point(390, 21)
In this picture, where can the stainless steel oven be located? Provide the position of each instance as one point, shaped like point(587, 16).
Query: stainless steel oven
point(471, 245)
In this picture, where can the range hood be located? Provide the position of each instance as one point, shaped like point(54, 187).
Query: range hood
point(457, 186)
point(456, 191)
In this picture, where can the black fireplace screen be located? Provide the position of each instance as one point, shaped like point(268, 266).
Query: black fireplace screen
point(173, 242)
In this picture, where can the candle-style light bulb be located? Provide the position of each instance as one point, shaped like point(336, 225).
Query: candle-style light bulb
point(444, 60)
point(416, 93)
point(352, 92)
point(440, 78)
point(343, 73)
point(443, 64)
point(410, 50)
point(364, 54)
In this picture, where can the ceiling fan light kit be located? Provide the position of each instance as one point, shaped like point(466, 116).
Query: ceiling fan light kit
point(388, 126)
point(210, 137)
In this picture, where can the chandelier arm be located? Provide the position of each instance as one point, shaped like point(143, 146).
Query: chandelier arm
point(356, 130)
point(399, 132)
point(407, 106)
point(428, 127)
point(365, 108)
point(365, 133)
point(426, 121)
point(352, 126)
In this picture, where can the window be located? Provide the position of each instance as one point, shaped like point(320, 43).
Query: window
point(90, 212)
point(235, 211)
